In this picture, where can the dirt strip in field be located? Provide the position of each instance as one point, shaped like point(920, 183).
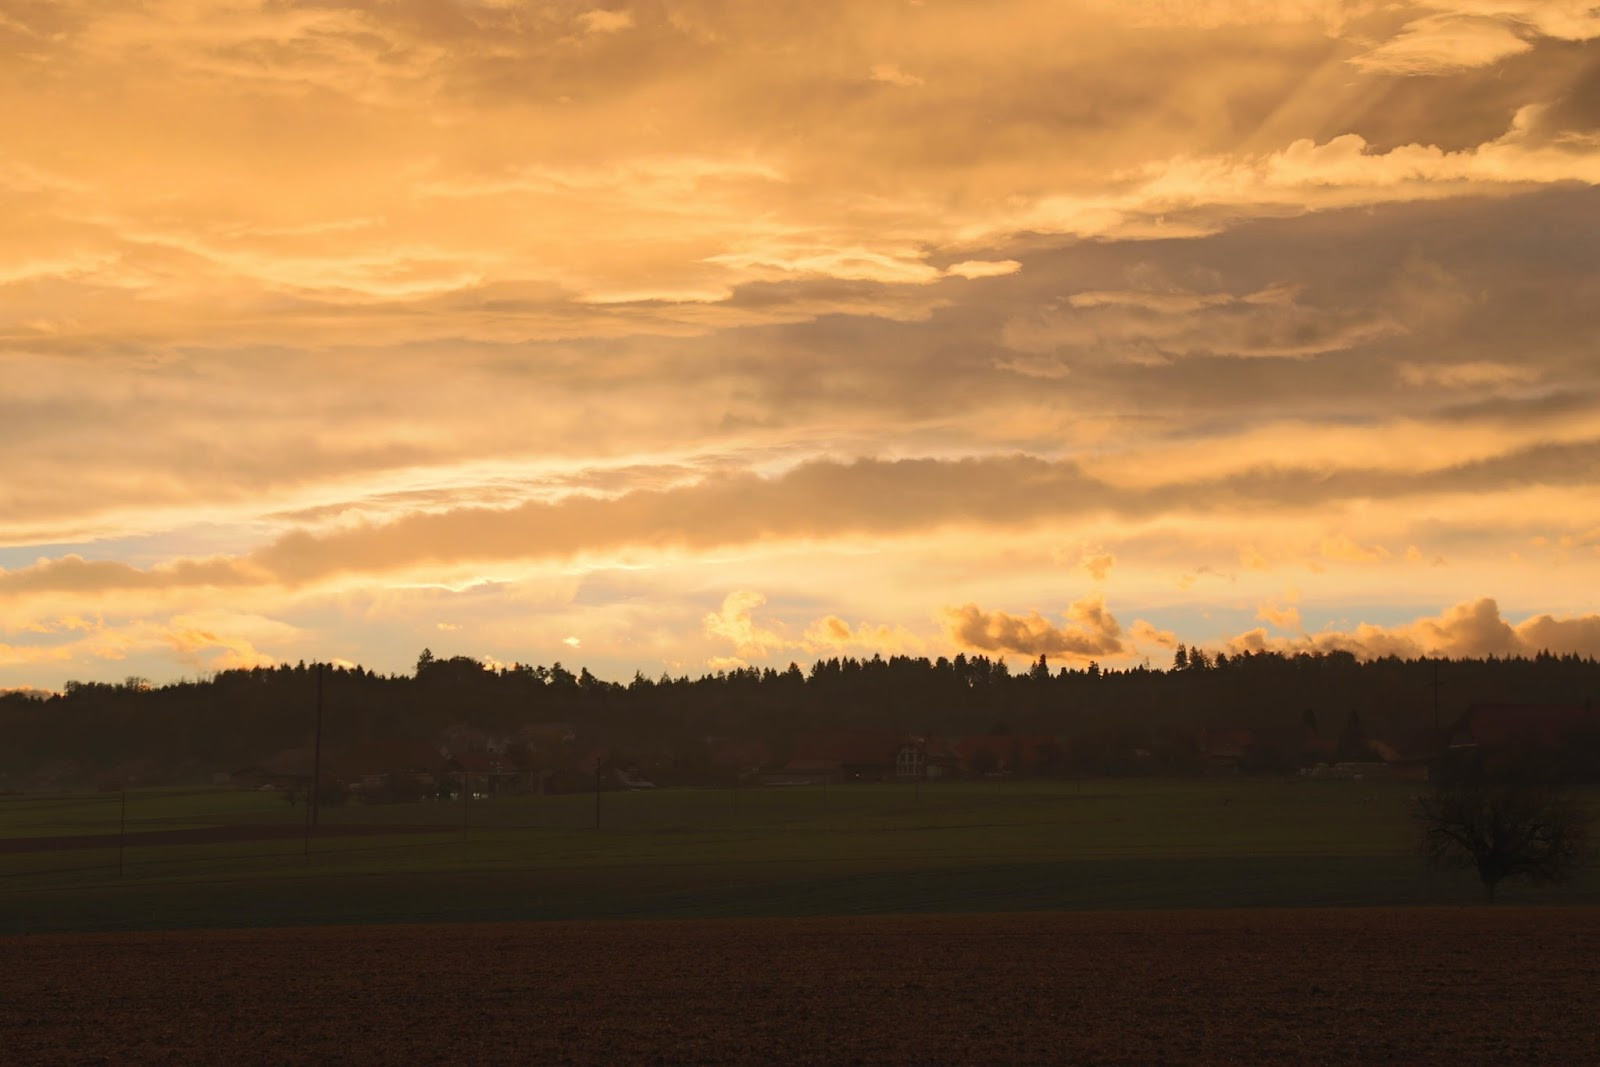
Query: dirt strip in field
point(204, 835)
point(1483, 985)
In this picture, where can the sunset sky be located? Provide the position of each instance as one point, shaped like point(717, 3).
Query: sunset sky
point(685, 334)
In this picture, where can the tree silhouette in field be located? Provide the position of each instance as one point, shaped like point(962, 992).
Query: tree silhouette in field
point(1504, 831)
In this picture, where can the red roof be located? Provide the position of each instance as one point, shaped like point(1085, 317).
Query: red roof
point(483, 763)
point(1503, 725)
point(1013, 751)
point(851, 747)
point(1224, 742)
point(730, 753)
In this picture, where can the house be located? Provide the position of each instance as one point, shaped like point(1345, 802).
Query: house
point(288, 768)
point(740, 759)
point(558, 733)
point(393, 769)
point(489, 774)
point(1541, 741)
point(1222, 751)
point(58, 774)
point(464, 737)
point(999, 755)
point(631, 779)
point(925, 758)
point(861, 756)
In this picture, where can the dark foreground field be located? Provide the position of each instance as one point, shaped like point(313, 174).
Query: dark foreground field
point(1395, 985)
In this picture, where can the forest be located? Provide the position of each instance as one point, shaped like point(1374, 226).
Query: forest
point(1137, 720)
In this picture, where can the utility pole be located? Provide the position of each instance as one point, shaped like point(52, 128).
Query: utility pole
point(316, 759)
point(122, 831)
point(917, 771)
point(1436, 684)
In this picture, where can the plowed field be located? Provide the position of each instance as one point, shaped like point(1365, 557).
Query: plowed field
point(1447, 984)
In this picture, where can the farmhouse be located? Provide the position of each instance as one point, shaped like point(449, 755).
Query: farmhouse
point(488, 773)
point(399, 768)
point(1560, 741)
point(863, 756)
point(1007, 754)
point(926, 757)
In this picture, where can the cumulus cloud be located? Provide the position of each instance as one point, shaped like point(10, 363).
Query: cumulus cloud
point(1091, 631)
point(832, 635)
point(207, 639)
point(1284, 616)
point(734, 622)
point(1470, 629)
point(1145, 634)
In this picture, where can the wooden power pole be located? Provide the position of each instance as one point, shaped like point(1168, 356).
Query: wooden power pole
point(316, 759)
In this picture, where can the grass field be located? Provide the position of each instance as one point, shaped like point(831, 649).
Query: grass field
point(225, 858)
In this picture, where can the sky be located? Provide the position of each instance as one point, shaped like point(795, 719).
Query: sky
point(690, 334)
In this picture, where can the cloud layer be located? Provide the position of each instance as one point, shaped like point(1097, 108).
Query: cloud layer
point(335, 325)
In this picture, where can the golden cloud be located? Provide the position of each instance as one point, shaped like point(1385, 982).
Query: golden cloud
point(298, 299)
point(1469, 629)
point(1091, 632)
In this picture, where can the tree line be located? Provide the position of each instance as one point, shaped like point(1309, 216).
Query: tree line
point(188, 729)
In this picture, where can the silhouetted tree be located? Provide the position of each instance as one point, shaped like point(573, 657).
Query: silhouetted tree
point(1529, 832)
point(1353, 742)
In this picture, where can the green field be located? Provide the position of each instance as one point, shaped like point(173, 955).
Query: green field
point(959, 847)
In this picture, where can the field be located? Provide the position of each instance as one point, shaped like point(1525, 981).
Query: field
point(234, 859)
point(1113, 921)
point(1306, 986)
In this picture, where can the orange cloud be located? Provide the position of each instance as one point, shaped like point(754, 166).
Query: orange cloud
point(1469, 629)
point(735, 623)
point(1342, 549)
point(547, 288)
point(1145, 633)
point(1098, 565)
point(1283, 616)
point(1438, 44)
point(1091, 632)
point(832, 634)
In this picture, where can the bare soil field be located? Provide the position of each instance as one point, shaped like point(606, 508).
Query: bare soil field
point(1504, 985)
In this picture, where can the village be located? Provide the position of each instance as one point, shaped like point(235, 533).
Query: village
point(1553, 740)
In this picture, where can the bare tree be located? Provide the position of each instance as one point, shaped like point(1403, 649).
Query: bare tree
point(1505, 831)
